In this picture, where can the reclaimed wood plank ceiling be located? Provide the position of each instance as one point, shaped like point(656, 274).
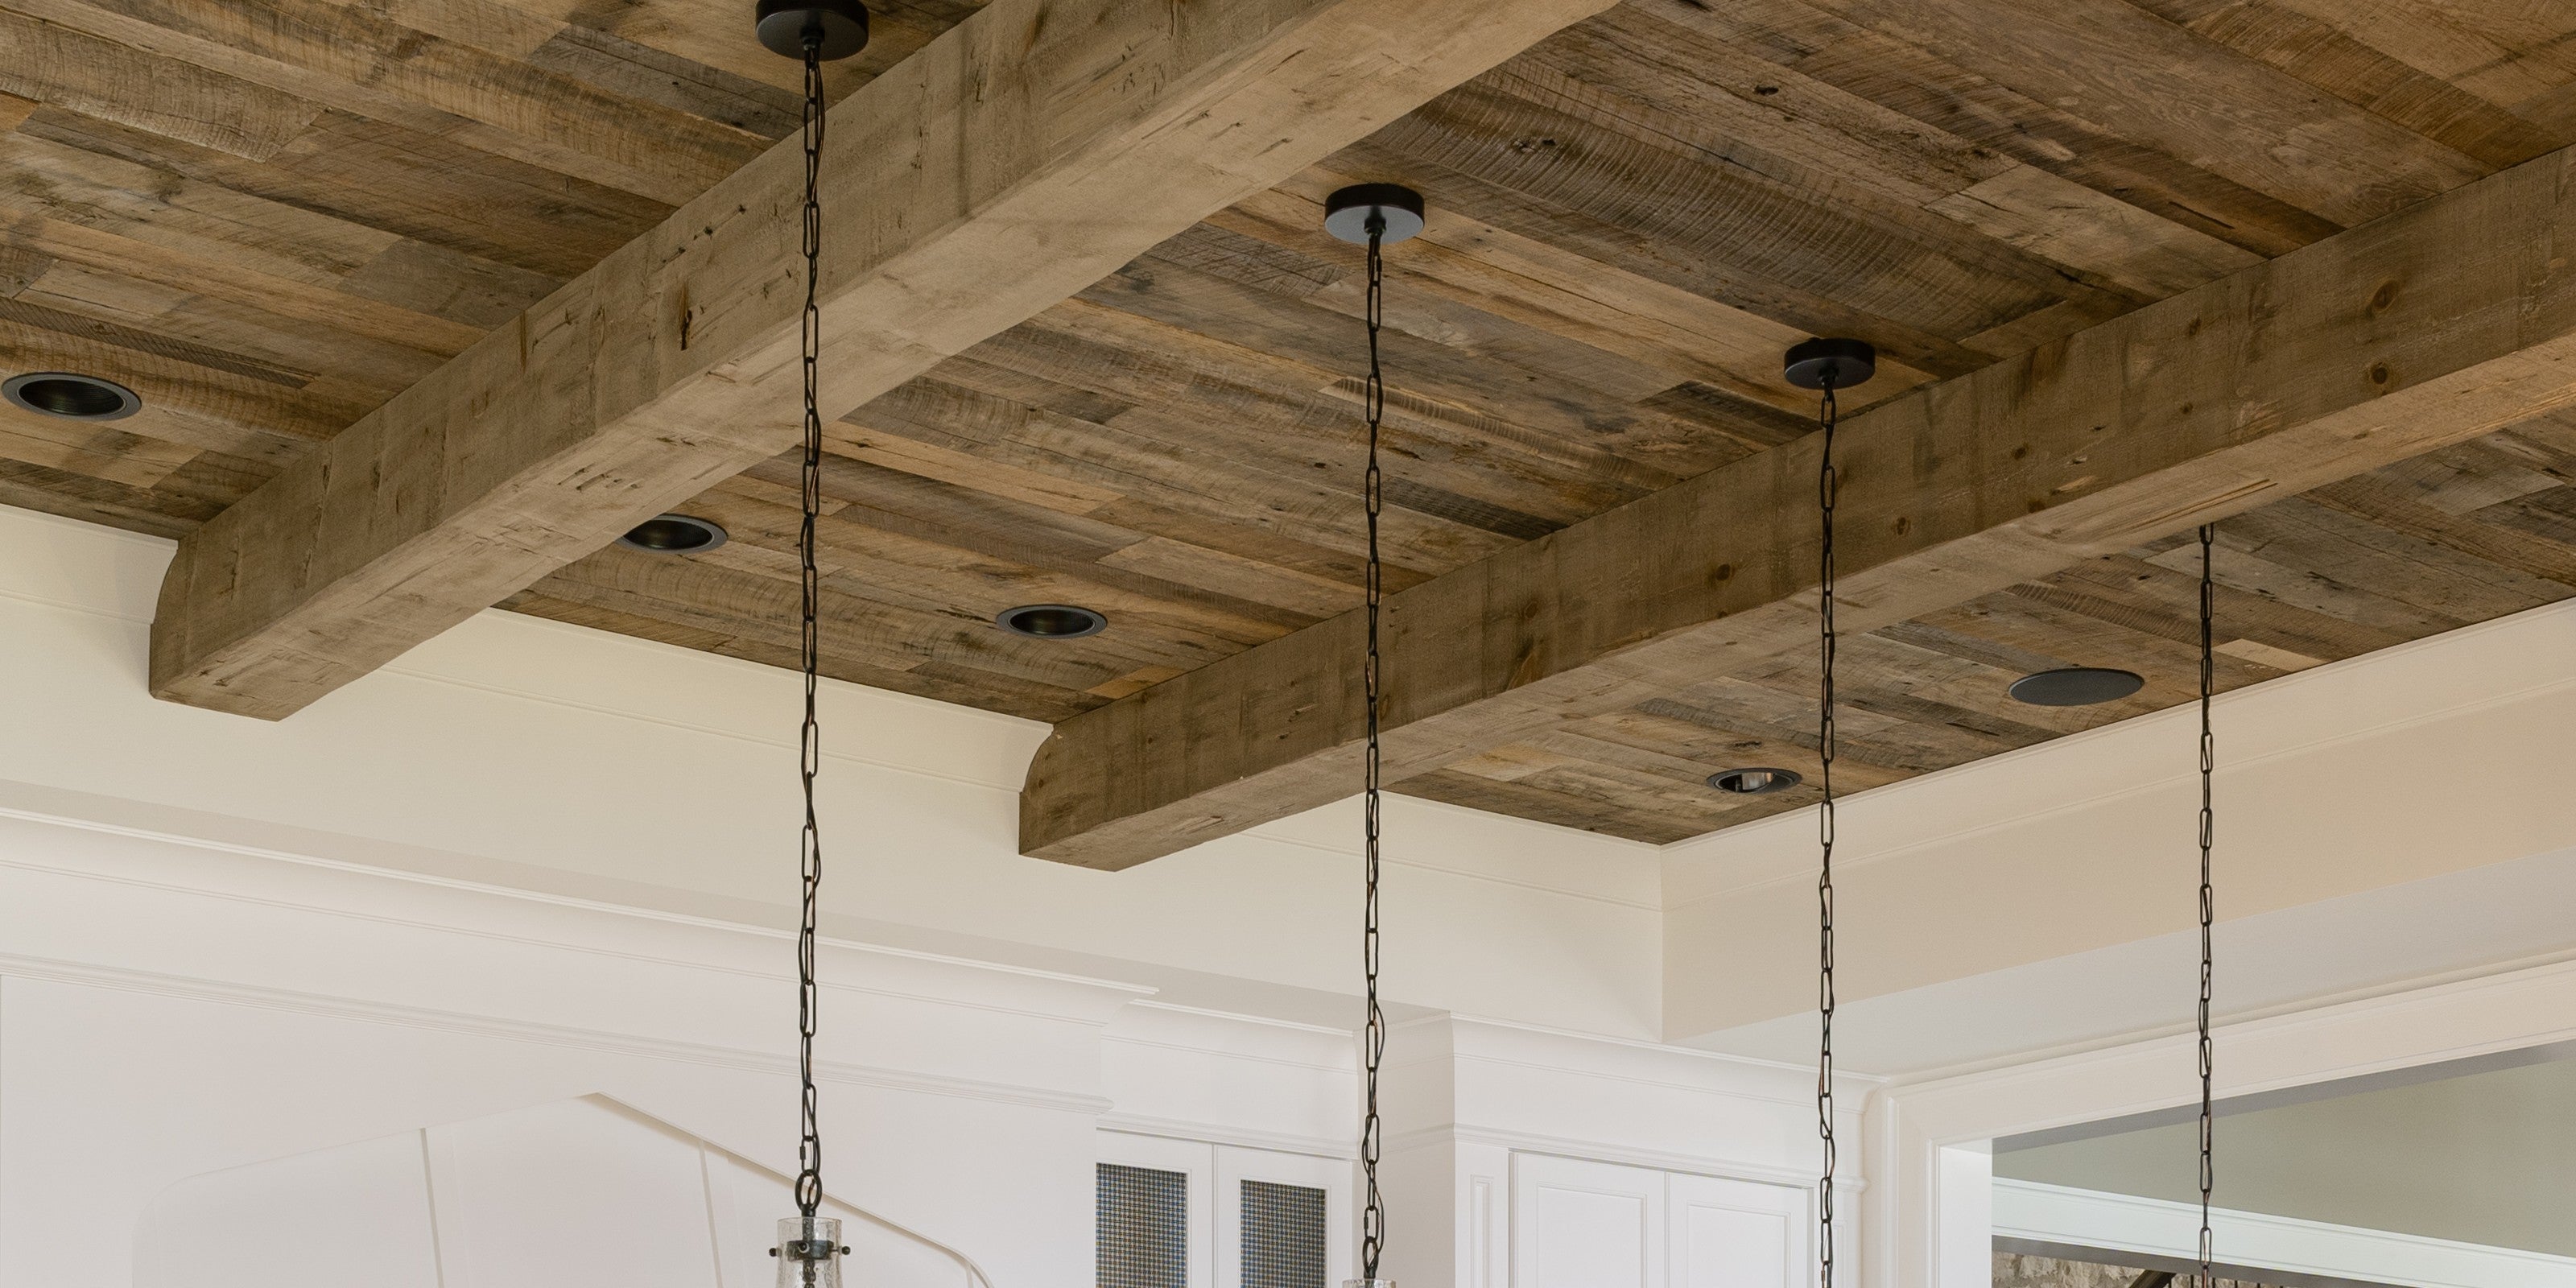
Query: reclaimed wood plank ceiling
point(270, 218)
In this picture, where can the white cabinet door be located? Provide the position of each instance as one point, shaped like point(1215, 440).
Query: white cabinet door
point(1253, 1218)
point(1735, 1234)
point(1586, 1225)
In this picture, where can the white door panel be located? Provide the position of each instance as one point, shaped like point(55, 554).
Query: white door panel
point(1579, 1224)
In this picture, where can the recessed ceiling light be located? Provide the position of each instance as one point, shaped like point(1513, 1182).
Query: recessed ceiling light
point(1051, 621)
point(71, 396)
point(673, 534)
point(2076, 686)
point(1759, 780)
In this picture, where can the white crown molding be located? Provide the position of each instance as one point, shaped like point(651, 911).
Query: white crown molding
point(324, 1006)
point(597, 928)
point(2157, 1227)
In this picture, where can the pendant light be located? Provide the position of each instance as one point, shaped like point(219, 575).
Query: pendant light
point(814, 32)
point(1825, 365)
point(2208, 891)
point(1372, 214)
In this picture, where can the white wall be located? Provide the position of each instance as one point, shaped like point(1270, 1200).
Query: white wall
point(2395, 817)
point(524, 753)
point(530, 863)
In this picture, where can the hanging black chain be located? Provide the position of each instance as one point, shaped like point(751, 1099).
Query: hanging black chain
point(2208, 891)
point(1373, 1050)
point(809, 1151)
point(1828, 483)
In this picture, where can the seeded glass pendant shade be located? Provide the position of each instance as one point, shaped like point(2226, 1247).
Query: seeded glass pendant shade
point(809, 1252)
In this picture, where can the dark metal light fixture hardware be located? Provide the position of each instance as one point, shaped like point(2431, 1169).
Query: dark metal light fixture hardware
point(1842, 364)
point(1826, 365)
point(71, 396)
point(1051, 621)
point(809, 1248)
point(1396, 209)
point(1372, 214)
point(840, 27)
point(2075, 686)
point(673, 534)
point(1757, 780)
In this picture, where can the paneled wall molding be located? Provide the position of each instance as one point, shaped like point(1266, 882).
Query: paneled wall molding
point(1661, 1160)
point(1927, 1228)
point(2127, 1223)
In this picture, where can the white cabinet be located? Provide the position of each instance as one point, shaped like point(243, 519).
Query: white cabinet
point(1245, 1218)
point(1579, 1224)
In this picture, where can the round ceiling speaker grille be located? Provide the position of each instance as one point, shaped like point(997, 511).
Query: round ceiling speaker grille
point(1051, 621)
point(2076, 686)
point(71, 396)
point(673, 534)
point(1760, 780)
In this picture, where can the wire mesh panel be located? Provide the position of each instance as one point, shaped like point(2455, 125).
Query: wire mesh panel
point(1283, 1236)
point(1144, 1228)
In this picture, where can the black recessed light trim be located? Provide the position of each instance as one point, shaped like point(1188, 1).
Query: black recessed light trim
point(1051, 621)
point(1755, 780)
point(2076, 686)
point(673, 534)
point(69, 395)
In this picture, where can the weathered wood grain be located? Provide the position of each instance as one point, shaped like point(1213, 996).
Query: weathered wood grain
point(975, 183)
point(2430, 327)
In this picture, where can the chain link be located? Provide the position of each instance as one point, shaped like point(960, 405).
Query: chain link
point(1373, 1210)
point(2208, 892)
point(1828, 485)
point(809, 1152)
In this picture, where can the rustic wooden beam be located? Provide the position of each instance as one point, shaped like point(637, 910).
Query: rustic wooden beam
point(2430, 326)
point(1016, 160)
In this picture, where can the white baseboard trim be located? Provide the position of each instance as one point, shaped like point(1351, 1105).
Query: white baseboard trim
point(2058, 1214)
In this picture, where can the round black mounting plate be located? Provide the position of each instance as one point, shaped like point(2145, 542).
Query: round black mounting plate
point(842, 23)
point(1846, 363)
point(71, 396)
point(1347, 212)
point(2076, 686)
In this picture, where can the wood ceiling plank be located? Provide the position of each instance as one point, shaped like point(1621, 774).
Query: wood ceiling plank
point(307, 59)
point(74, 495)
point(1528, 442)
point(1182, 476)
point(2433, 326)
point(994, 173)
point(51, 64)
point(1292, 418)
point(1680, 73)
point(401, 181)
point(1640, 253)
point(2334, 60)
point(185, 402)
point(2507, 54)
point(1541, 137)
point(2070, 225)
point(1656, 323)
point(1924, 85)
point(2393, 507)
point(2138, 75)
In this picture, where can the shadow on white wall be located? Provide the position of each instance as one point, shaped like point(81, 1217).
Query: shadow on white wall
point(581, 1193)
